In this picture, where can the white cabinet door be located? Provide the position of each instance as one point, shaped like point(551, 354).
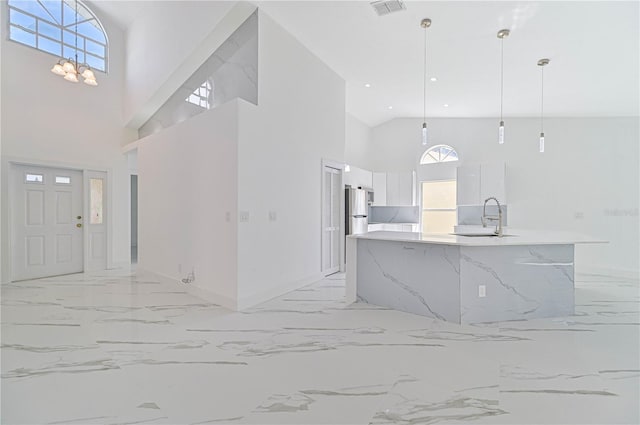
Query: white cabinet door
point(400, 189)
point(380, 189)
point(468, 185)
point(492, 182)
point(46, 216)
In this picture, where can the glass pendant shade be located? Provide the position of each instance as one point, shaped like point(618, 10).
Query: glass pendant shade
point(501, 133)
point(71, 76)
point(69, 67)
point(541, 142)
point(57, 69)
point(88, 74)
point(424, 134)
point(90, 81)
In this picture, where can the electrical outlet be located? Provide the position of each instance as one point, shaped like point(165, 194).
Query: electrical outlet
point(227, 216)
point(273, 216)
point(244, 216)
point(579, 215)
point(482, 291)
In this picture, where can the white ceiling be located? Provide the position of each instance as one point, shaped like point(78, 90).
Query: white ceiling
point(594, 49)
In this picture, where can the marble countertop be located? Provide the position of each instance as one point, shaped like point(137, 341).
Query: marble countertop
point(516, 237)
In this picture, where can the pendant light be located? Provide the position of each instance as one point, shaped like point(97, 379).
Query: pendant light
point(425, 23)
point(501, 35)
point(69, 69)
point(542, 63)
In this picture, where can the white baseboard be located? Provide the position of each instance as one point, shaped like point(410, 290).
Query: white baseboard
point(608, 271)
point(254, 299)
point(196, 291)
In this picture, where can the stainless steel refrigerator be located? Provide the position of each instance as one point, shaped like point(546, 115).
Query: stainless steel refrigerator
point(356, 221)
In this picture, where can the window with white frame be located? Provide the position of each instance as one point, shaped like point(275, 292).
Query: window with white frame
point(439, 153)
point(200, 96)
point(51, 26)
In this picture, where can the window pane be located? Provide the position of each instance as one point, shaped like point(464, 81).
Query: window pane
point(96, 200)
point(23, 20)
point(90, 30)
point(34, 178)
point(95, 48)
point(439, 194)
point(21, 36)
point(69, 14)
point(48, 45)
point(95, 63)
point(49, 30)
point(32, 7)
point(55, 9)
point(438, 221)
point(63, 180)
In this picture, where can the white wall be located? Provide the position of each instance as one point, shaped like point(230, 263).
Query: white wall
point(46, 119)
point(357, 143)
point(590, 166)
point(187, 192)
point(157, 42)
point(300, 119)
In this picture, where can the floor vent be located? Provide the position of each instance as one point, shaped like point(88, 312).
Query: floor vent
point(384, 7)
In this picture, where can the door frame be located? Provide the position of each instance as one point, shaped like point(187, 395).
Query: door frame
point(338, 166)
point(9, 164)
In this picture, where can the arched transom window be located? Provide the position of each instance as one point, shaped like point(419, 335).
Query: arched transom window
point(50, 26)
point(439, 153)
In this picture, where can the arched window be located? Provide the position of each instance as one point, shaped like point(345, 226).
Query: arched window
point(439, 153)
point(50, 26)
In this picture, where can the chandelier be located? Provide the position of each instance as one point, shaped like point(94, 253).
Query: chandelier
point(70, 68)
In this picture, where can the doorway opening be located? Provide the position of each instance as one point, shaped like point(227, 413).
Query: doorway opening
point(134, 218)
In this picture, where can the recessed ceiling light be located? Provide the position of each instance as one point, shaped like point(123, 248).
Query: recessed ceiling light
point(367, 85)
point(446, 105)
point(389, 107)
point(433, 79)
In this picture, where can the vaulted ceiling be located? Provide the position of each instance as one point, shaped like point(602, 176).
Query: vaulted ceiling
point(594, 50)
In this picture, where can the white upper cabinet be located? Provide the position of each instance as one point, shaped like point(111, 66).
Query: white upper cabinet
point(400, 189)
point(492, 182)
point(357, 177)
point(379, 189)
point(475, 183)
point(468, 185)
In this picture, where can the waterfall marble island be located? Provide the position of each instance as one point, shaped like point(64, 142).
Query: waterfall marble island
point(464, 279)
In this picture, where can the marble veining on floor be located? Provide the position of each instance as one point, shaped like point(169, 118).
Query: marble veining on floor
point(122, 347)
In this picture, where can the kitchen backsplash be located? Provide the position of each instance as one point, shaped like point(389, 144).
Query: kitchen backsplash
point(390, 214)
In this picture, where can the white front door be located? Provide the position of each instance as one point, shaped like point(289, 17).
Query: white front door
point(331, 219)
point(46, 215)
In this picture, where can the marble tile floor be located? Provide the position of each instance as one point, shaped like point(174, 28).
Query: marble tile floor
point(122, 347)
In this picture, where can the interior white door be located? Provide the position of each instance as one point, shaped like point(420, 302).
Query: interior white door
point(331, 219)
point(46, 216)
point(97, 220)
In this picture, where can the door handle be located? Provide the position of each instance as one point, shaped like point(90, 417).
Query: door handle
point(79, 225)
point(79, 217)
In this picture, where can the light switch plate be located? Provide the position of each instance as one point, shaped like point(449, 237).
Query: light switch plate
point(244, 216)
point(482, 291)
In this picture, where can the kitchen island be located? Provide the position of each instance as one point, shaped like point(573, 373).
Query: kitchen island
point(465, 279)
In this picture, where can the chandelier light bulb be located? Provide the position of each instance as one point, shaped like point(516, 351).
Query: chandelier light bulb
point(90, 81)
point(68, 66)
point(88, 74)
point(58, 70)
point(72, 77)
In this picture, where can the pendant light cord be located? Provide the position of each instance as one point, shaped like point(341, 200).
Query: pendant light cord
point(542, 100)
point(424, 97)
point(501, 75)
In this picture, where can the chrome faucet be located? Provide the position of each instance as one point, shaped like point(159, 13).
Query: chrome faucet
point(485, 218)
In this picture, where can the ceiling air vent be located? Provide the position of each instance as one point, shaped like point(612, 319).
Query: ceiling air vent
point(384, 7)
